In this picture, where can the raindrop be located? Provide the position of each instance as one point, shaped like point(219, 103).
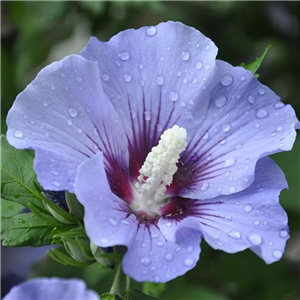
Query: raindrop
point(156, 279)
point(248, 208)
point(62, 75)
point(46, 134)
point(199, 65)
point(142, 82)
point(124, 55)
point(278, 105)
point(229, 162)
point(153, 268)
point(178, 249)
point(251, 100)
point(54, 173)
point(221, 101)
point(226, 127)
point(21, 221)
point(125, 222)
point(204, 187)
point(232, 189)
point(160, 80)
point(169, 224)
point(159, 244)
point(151, 30)
point(189, 262)
point(159, 127)
point(261, 91)
point(133, 114)
point(55, 183)
point(73, 112)
point(18, 133)
point(195, 80)
point(234, 234)
point(117, 63)
point(256, 223)
point(105, 77)
point(207, 67)
point(145, 272)
point(227, 80)
point(190, 249)
point(255, 239)
point(277, 254)
point(147, 115)
point(257, 125)
point(112, 221)
point(243, 78)
point(261, 113)
point(95, 131)
point(174, 95)
point(127, 77)
point(104, 241)
point(228, 218)
point(279, 128)
point(207, 47)
point(238, 146)
point(283, 233)
point(79, 79)
point(205, 137)
point(79, 130)
point(265, 223)
point(45, 103)
point(178, 73)
point(185, 55)
point(223, 141)
point(141, 66)
point(168, 257)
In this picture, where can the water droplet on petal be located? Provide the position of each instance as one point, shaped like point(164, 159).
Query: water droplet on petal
point(220, 101)
point(261, 91)
point(45, 103)
point(125, 222)
point(178, 249)
point(124, 55)
point(283, 233)
point(178, 73)
point(226, 127)
point(146, 261)
point(207, 47)
point(147, 115)
point(57, 184)
point(151, 30)
point(277, 254)
point(199, 65)
point(229, 162)
point(279, 128)
point(190, 249)
point(79, 79)
point(18, 133)
point(188, 262)
point(248, 208)
point(112, 221)
point(261, 113)
point(227, 80)
point(278, 105)
point(168, 257)
point(204, 187)
point(156, 279)
point(251, 100)
point(255, 239)
point(160, 80)
point(105, 77)
point(127, 77)
point(256, 223)
point(185, 55)
point(174, 95)
point(205, 137)
point(46, 134)
point(159, 244)
point(232, 189)
point(235, 234)
point(243, 78)
point(73, 112)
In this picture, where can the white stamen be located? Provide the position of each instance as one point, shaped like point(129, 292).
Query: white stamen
point(158, 170)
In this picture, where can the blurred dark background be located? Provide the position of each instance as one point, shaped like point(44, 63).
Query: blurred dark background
point(34, 34)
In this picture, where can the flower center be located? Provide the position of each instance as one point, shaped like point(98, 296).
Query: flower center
point(157, 172)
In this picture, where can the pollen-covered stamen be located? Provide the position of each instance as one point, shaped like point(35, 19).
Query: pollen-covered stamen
point(158, 170)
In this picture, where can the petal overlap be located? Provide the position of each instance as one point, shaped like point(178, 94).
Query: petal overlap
point(244, 121)
point(65, 117)
point(155, 76)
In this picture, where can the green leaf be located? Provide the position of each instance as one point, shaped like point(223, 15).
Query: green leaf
point(9, 208)
point(17, 175)
point(25, 230)
point(65, 259)
point(58, 213)
point(136, 295)
point(105, 259)
point(154, 289)
point(254, 66)
point(108, 296)
point(75, 207)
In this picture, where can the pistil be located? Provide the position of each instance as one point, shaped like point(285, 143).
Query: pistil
point(158, 170)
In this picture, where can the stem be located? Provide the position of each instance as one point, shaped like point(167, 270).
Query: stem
point(128, 283)
point(117, 287)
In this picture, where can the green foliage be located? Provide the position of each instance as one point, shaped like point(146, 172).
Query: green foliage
point(133, 294)
point(154, 289)
point(75, 207)
point(25, 230)
point(17, 176)
point(254, 66)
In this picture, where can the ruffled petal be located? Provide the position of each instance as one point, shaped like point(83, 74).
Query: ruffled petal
point(50, 289)
point(251, 219)
point(153, 76)
point(244, 121)
point(153, 258)
point(107, 219)
point(66, 117)
point(109, 222)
